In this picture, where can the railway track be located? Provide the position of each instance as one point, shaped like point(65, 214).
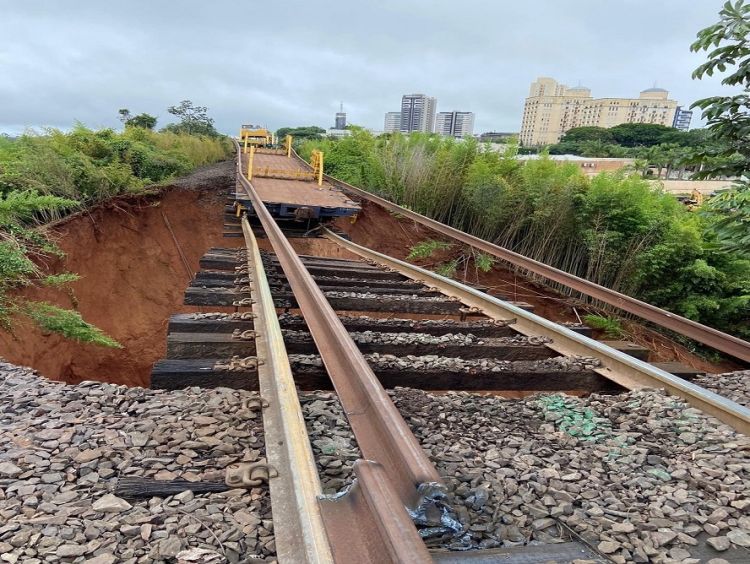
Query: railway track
point(362, 326)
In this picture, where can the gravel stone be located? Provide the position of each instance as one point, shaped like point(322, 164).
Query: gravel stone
point(111, 504)
point(738, 537)
point(615, 469)
point(70, 550)
point(8, 469)
point(719, 543)
point(732, 385)
point(69, 445)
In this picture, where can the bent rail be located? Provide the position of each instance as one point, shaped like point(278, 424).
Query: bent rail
point(709, 336)
point(616, 366)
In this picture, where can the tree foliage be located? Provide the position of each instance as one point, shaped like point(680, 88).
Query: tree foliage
point(301, 133)
point(146, 121)
point(728, 119)
point(194, 120)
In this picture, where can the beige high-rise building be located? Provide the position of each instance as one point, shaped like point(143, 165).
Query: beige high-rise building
point(552, 109)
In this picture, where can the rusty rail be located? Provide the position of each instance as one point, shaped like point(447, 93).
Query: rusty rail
point(617, 366)
point(298, 528)
point(709, 336)
point(379, 429)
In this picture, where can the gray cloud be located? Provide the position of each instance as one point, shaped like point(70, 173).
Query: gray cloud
point(290, 63)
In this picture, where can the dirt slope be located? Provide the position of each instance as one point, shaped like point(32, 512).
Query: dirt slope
point(132, 279)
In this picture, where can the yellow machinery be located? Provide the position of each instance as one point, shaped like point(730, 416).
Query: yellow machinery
point(255, 136)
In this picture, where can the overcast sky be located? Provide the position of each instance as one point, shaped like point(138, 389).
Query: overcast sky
point(288, 62)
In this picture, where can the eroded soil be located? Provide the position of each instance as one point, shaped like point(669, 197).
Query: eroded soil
point(136, 256)
point(128, 253)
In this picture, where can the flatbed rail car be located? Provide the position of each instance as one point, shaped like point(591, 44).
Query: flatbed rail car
point(289, 189)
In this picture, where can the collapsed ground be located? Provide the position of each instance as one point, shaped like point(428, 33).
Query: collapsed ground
point(135, 257)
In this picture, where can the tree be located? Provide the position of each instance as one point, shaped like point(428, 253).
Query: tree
point(146, 121)
point(194, 120)
point(643, 134)
point(588, 133)
point(300, 133)
point(728, 121)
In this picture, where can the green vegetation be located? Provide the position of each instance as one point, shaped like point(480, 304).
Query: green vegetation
point(484, 262)
point(654, 146)
point(301, 133)
point(425, 249)
point(447, 269)
point(45, 176)
point(614, 229)
point(612, 327)
point(146, 121)
point(728, 120)
point(194, 120)
point(67, 323)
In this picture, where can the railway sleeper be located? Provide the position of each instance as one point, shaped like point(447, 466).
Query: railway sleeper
point(213, 322)
point(175, 374)
point(430, 372)
point(339, 263)
point(281, 286)
point(349, 272)
point(467, 346)
point(241, 253)
point(226, 323)
point(278, 280)
point(227, 262)
point(345, 301)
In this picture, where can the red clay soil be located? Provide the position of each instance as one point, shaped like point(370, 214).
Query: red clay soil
point(390, 234)
point(383, 231)
point(132, 279)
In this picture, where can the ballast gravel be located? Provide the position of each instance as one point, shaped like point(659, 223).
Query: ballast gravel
point(640, 477)
point(732, 385)
point(63, 448)
point(455, 365)
point(413, 338)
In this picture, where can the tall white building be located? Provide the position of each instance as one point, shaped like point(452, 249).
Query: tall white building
point(392, 122)
point(455, 124)
point(418, 113)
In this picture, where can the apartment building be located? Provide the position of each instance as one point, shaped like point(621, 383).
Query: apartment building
point(552, 108)
point(418, 113)
point(392, 122)
point(455, 124)
point(682, 119)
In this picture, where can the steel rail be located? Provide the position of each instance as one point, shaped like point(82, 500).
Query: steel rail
point(363, 526)
point(381, 432)
point(616, 366)
point(709, 336)
point(298, 524)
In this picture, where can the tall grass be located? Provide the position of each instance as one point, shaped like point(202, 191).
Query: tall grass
point(614, 229)
point(89, 166)
point(45, 176)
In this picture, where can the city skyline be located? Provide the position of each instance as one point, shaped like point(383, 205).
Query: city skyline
point(120, 60)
